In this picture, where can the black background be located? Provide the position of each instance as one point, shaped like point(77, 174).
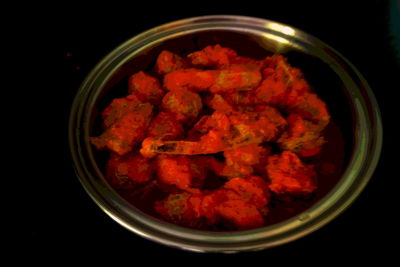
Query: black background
point(67, 225)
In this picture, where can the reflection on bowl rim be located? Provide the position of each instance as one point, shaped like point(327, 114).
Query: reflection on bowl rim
point(368, 140)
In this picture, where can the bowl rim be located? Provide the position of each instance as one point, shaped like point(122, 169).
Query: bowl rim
point(368, 137)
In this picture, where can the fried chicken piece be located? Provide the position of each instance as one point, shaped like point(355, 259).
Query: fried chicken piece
point(190, 79)
point(289, 175)
point(220, 132)
point(165, 126)
point(309, 106)
point(218, 103)
point(241, 202)
point(204, 138)
point(145, 87)
point(302, 137)
point(262, 125)
point(245, 94)
point(241, 98)
point(125, 171)
point(168, 62)
point(233, 78)
point(284, 86)
point(244, 160)
point(243, 215)
point(248, 155)
point(179, 208)
point(183, 172)
point(272, 92)
point(280, 80)
point(217, 121)
point(207, 135)
point(253, 190)
point(236, 78)
point(126, 125)
point(212, 56)
point(248, 62)
point(118, 108)
point(184, 104)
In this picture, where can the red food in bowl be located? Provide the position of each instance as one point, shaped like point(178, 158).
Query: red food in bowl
point(213, 116)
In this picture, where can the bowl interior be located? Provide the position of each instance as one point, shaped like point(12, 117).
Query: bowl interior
point(330, 163)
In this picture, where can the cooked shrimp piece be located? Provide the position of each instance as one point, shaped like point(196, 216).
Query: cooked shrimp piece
point(289, 175)
point(168, 62)
point(145, 87)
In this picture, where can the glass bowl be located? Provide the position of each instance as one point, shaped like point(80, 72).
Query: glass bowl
point(353, 107)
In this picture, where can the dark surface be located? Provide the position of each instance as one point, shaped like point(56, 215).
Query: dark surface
point(67, 224)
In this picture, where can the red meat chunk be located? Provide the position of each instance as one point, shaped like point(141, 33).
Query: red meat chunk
point(127, 125)
point(181, 171)
point(165, 126)
point(145, 87)
point(302, 137)
point(184, 104)
point(212, 56)
point(168, 62)
point(124, 172)
point(289, 175)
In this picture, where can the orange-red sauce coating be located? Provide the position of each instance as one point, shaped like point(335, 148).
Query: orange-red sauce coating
point(217, 135)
